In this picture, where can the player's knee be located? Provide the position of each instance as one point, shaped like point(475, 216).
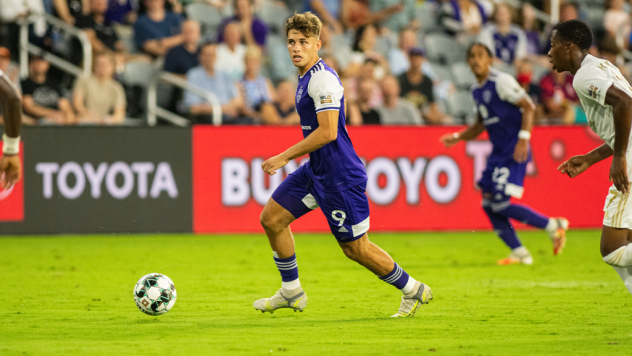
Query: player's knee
point(355, 250)
point(269, 222)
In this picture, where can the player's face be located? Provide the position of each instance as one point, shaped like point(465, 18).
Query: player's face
point(303, 50)
point(558, 54)
point(479, 61)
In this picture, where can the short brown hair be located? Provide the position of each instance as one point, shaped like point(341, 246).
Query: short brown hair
point(306, 23)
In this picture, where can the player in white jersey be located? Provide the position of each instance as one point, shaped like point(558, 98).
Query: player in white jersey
point(607, 99)
point(11, 104)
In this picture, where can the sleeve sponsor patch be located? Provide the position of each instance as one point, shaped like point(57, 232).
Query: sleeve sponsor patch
point(593, 91)
point(325, 99)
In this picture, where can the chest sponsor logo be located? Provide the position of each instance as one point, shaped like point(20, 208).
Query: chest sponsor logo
point(487, 96)
point(299, 94)
point(325, 99)
point(306, 127)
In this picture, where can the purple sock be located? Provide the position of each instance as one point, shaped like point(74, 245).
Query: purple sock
point(524, 214)
point(397, 277)
point(502, 227)
point(288, 268)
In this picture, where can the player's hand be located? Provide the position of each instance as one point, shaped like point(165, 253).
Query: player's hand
point(619, 174)
point(271, 165)
point(10, 170)
point(574, 166)
point(449, 140)
point(521, 152)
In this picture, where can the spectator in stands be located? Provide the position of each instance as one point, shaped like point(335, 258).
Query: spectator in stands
point(463, 16)
point(42, 97)
point(11, 12)
point(398, 57)
point(569, 10)
point(361, 112)
point(395, 110)
point(356, 13)
point(70, 10)
point(231, 53)
point(524, 75)
point(217, 82)
point(285, 104)
point(120, 11)
point(256, 89)
point(183, 57)
point(507, 41)
point(363, 48)
point(558, 97)
point(531, 29)
point(332, 62)
point(367, 71)
point(10, 70)
point(419, 89)
point(607, 49)
point(99, 99)
point(158, 30)
point(616, 20)
point(101, 33)
point(328, 12)
point(253, 29)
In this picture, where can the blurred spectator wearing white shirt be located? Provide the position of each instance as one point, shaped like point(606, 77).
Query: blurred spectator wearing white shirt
point(616, 20)
point(231, 53)
point(10, 13)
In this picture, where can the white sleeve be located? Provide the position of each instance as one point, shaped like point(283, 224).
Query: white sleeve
point(325, 90)
point(508, 88)
point(593, 84)
point(521, 46)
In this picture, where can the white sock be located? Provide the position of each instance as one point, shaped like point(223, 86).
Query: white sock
point(621, 260)
point(409, 285)
point(520, 251)
point(551, 225)
point(291, 284)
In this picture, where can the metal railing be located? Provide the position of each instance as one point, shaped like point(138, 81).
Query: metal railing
point(59, 62)
point(154, 111)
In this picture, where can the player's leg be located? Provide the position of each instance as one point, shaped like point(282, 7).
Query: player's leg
point(348, 215)
point(616, 236)
point(508, 182)
point(290, 201)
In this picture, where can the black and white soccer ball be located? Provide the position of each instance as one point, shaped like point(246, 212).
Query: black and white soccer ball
point(155, 294)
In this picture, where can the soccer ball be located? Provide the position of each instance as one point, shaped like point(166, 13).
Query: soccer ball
point(155, 294)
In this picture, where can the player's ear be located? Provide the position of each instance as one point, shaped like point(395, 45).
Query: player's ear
point(319, 44)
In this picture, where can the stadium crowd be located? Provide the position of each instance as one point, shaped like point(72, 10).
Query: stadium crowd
point(400, 62)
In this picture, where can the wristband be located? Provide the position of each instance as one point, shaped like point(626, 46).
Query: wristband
point(456, 135)
point(11, 145)
point(524, 135)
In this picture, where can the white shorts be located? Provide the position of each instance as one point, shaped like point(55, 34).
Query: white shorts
point(618, 210)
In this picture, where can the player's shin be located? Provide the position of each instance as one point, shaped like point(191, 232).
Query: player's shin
point(289, 271)
point(621, 260)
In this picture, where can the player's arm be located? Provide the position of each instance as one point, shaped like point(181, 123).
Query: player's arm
point(326, 132)
point(11, 103)
point(622, 113)
point(521, 152)
point(467, 134)
point(577, 164)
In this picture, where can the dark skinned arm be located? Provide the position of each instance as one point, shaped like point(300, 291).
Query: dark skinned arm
point(326, 132)
point(10, 165)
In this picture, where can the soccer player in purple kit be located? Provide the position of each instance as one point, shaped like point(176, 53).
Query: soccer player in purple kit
point(506, 112)
point(334, 180)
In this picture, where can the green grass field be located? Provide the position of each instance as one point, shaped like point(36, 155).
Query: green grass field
point(73, 295)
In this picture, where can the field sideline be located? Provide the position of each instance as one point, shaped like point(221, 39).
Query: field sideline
point(73, 295)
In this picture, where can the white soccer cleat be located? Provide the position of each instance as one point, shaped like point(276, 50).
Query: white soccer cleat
point(558, 235)
point(421, 294)
point(295, 299)
point(518, 256)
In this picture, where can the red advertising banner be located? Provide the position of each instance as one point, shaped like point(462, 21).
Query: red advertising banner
point(414, 182)
point(12, 200)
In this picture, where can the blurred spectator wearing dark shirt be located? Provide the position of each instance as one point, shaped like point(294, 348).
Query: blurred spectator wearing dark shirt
point(70, 10)
point(183, 57)
point(158, 30)
point(42, 97)
point(253, 30)
point(361, 112)
point(101, 33)
point(419, 89)
point(120, 11)
point(285, 104)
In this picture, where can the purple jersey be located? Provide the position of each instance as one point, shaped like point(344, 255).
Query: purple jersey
point(335, 166)
point(495, 100)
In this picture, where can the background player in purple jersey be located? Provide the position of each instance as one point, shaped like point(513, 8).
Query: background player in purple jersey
point(334, 180)
point(11, 104)
point(506, 112)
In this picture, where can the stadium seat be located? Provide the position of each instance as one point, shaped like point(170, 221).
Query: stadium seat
point(274, 15)
point(463, 76)
point(594, 17)
point(506, 68)
point(281, 64)
point(443, 48)
point(539, 72)
point(461, 107)
point(426, 16)
point(208, 16)
point(443, 72)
